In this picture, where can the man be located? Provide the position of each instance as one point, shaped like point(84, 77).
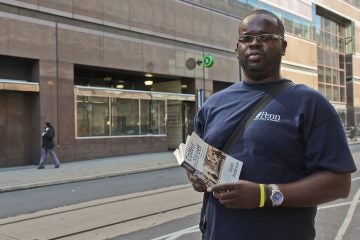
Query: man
point(292, 161)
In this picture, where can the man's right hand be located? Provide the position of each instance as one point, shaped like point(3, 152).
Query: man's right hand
point(197, 183)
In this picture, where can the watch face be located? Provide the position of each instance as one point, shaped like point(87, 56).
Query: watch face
point(277, 198)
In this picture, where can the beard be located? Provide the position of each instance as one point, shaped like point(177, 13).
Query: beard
point(268, 66)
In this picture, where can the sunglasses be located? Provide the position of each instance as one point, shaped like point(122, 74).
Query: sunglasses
point(260, 38)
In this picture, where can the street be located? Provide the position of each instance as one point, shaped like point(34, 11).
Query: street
point(37, 199)
point(335, 220)
point(157, 205)
point(96, 96)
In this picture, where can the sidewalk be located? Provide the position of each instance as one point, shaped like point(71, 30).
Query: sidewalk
point(25, 177)
point(354, 140)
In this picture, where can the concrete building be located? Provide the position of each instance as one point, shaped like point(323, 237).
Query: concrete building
point(111, 75)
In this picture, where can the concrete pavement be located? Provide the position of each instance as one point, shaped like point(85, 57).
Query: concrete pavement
point(105, 218)
point(24, 177)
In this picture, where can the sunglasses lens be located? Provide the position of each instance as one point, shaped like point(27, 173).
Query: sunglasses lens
point(265, 37)
point(246, 38)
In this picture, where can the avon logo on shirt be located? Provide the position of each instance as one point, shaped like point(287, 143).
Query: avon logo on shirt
point(267, 117)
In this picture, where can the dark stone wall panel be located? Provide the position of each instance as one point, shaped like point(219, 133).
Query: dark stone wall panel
point(16, 129)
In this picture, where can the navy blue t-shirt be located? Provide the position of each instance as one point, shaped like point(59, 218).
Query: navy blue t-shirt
point(295, 135)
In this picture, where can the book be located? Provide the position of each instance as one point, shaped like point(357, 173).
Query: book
point(207, 162)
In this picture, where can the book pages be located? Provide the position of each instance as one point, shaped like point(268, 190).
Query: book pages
point(206, 162)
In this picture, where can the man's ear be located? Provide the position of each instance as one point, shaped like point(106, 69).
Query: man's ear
point(236, 49)
point(283, 46)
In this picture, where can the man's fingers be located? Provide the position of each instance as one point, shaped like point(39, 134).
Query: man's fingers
point(223, 194)
point(196, 182)
point(223, 187)
point(199, 187)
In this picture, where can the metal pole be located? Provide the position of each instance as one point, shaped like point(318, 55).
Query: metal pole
point(203, 78)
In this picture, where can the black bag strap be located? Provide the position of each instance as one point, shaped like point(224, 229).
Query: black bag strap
point(251, 115)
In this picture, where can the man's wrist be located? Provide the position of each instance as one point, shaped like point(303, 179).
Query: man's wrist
point(268, 202)
point(270, 195)
point(275, 196)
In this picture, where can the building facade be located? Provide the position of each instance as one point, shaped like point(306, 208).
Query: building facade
point(113, 76)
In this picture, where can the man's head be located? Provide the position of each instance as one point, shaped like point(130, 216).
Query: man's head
point(261, 45)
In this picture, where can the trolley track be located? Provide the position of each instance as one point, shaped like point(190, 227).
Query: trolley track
point(118, 215)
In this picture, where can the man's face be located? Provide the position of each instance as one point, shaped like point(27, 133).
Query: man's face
point(260, 58)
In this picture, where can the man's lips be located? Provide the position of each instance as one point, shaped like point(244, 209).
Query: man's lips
point(254, 56)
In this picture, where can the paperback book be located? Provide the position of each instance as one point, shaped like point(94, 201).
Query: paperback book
point(206, 162)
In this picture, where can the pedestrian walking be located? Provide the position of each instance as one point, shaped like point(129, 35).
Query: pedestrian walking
point(47, 146)
point(294, 151)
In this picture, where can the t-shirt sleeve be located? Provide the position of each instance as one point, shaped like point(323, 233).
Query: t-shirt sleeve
point(327, 148)
point(199, 123)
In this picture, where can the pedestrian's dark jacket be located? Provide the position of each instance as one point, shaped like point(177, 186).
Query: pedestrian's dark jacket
point(47, 138)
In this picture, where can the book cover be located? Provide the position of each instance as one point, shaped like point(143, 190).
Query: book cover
point(206, 162)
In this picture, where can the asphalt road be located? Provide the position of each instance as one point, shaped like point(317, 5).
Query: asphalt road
point(36, 199)
point(331, 219)
point(330, 222)
point(338, 220)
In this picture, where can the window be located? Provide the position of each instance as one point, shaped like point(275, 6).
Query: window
point(335, 77)
point(288, 22)
point(321, 74)
point(342, 94)
point(341, 61)
point(334, 59)
point(327, 24)
point(253, 3)
point(328, 75)
point(125, 117)
point(294, 24)
point(329, 92)
point(322, 89)
point(336, 94)
point(334, 42)
point(18, 69)
point(128, 117)
point(341, 45)
point(307, 29)
point(327, 38)
point(298, 26)
point(341, 30)
point(342, 78)
point(152, 117)
point(355, 3)
point(331, 58)
point(92, 116)
point(320, 38)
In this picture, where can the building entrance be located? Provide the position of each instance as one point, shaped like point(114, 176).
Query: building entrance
point(17, 134)
point(179, 122)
